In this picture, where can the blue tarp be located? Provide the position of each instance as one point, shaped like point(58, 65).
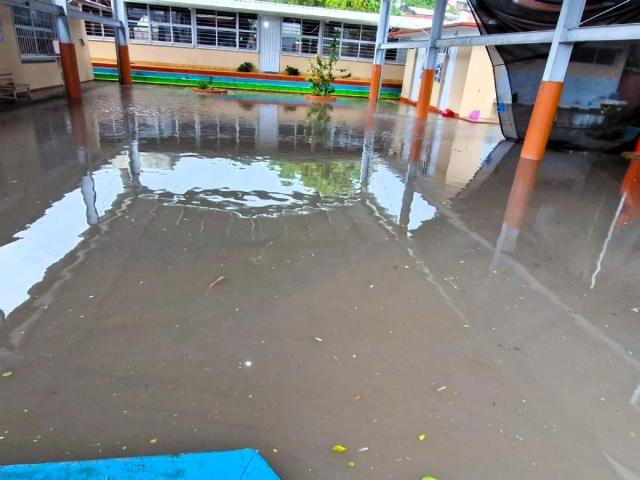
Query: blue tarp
point(232, 465)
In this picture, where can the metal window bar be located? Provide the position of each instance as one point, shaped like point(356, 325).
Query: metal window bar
point(35, 32)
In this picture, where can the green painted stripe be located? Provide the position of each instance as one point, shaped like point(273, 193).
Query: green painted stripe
point(238, 86)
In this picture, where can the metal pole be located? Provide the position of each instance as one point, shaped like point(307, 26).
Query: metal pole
point(544, 110)
point(378, 58)
point(68, 57)
point(122, 42)
point(431, 59)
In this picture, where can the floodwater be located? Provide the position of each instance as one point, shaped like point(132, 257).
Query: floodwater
point(254, 272)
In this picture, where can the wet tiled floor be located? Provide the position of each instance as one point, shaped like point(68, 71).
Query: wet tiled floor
point(255, 272)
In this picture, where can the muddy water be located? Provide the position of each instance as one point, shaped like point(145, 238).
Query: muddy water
point(366, 300)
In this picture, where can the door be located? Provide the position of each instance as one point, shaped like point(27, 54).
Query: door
point(270, 43)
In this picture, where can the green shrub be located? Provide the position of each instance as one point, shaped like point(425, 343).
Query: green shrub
point(321, 74)
point(246, 67)
point(292, 70)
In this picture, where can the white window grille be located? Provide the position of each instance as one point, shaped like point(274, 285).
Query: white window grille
point(300, 37)
point(35, 32)
point(159, 24)
point(1, 33)
point(226, 30)
point(357, 42)
point(97, 30)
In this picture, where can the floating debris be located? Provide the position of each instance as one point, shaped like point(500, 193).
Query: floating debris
point(339, 448)
point(217, 280)
point(317, 339)
point(7, 374)
point(421, 436)
point(358, 397)
point(153, 440)
point(441, 389)
point(363, 449)
point(275, 450)
point(351, 464)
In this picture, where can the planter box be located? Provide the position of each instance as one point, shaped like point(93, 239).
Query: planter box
point(209, 91)
point(320, 98)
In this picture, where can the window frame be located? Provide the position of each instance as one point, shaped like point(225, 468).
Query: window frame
point(101, 13)
point(147, 22)
point(52, 31)
point(237, 30)
point(301, 36)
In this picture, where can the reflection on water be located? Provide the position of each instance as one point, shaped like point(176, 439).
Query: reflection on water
point(116, 218)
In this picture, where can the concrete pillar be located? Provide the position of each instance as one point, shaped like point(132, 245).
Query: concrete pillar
point(378, 58)
point(68, 57)
point(548, 99)
point(431, 59)
point(122, 42)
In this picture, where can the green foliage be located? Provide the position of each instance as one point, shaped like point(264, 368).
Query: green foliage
point(292, 70)
point(431, 4)
point(246, 67)
point(321, 73)
point(358, 5)
point(328, 179)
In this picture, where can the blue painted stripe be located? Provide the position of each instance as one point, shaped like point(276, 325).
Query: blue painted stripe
point(242, 80)
point(232, 465)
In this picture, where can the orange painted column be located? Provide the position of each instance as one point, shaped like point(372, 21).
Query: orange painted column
point(417, 141)
point(124, 65)
point(424, 97)
point(70, 70)
point(544, 113)
point(374, 87)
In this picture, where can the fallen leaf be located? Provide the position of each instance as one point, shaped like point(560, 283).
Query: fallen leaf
point(339, 448)
point(359, 397)
point(429, 478)
point(421, 436)
point(275, 450)
point(217, 280)
point(441, 389)
point(153, 440)
point(317, 339)
point(351, 464)
point(7, 374)
point(407, 267)
point(354, 356)
point(364, 449)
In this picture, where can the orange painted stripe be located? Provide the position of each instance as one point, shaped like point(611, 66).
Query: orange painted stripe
point(227, 73)
point(70, 69)
point(544, 113)
point(124, 65)
point(374, 86)
point(424, 97)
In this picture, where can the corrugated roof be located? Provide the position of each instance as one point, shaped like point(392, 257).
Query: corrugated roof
point(287, 10)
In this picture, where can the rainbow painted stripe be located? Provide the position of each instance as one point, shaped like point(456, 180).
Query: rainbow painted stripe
point(237, 80)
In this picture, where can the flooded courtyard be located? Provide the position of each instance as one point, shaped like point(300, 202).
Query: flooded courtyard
point(253, 271)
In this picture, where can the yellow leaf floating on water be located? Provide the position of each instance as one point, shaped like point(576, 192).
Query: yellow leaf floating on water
point(359, 397)
point(351, 464)
point(275, 450)
point(339, 448)
point(421, 436)
point(153, 440)
point(7, 374)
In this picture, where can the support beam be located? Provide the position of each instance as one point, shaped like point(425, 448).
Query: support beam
point(68, 57)
point(544, 110)
point(605, 33)
point(378, 58)
point(57, 10)
point(122, 42)
point(431, 59)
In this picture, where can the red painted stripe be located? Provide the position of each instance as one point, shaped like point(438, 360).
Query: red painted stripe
point(227, 73)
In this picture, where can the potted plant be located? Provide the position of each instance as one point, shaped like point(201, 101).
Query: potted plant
point(321, 75)
point(205, 87)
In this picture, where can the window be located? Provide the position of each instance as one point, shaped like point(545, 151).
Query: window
point(357, 42)
point(300, 36)
point(34, 31)
point(159, 24)
point(226, 30)
point(599, 56)
point(98, 30)
point(1, 33)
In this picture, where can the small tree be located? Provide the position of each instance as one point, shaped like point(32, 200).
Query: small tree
point(321, 74)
